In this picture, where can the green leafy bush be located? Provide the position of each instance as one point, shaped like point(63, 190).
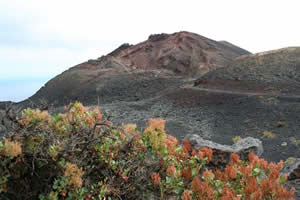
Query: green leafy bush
point(76, 155)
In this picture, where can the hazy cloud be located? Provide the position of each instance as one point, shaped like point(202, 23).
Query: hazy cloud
point(47, 37)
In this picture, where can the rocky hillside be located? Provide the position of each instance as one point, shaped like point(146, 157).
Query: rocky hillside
point(276, 72)
point(134, 72)
point(180, 53)
point(277, 66)
point(5, 104)
point(234, 48)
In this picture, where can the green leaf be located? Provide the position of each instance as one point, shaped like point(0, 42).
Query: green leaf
point(126, 171)
point(181, 184)
point(55, 186)
point(256, 171)
point(177, 190)
point(218, 184)
point(282, 180)
point(168, 180)
point(194, 172)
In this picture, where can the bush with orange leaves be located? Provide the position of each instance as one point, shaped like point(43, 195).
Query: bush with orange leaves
point(34, 117)
point(76, 155)
point(10, 153)
point(10, 148)
point(73, 175)
point(156, 178)
point(256, 179)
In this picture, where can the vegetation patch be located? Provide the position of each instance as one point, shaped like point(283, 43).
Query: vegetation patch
point(77, 155)
point(294, 141)
point(236, 139)
point(269, 134)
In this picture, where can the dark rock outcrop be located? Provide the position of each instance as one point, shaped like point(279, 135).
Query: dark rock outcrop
point(5, 104)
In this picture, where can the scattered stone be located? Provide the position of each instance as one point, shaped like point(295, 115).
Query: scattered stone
point(284, 144)
point(280, 124)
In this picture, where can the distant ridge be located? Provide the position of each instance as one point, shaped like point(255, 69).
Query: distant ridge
point(275, 66)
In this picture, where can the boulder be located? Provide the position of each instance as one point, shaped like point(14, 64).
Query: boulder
point(246, 145)
point(221, 153)
point(292, 169)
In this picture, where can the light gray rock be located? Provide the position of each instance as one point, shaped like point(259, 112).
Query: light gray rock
point(221, 153)
point(246, 144)
point(284, 144)
point(292, 169)
point(198, 142)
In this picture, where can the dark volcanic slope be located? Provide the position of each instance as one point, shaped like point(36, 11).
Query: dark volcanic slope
point(235, 48)
point(276, 72)
point(134, 72)
point(5, 104)
point(277, 66)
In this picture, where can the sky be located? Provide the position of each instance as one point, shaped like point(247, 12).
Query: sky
point(41, 39)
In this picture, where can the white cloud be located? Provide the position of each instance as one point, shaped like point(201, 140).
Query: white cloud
point(40, 62)
point(258, 25)
point(65, 33)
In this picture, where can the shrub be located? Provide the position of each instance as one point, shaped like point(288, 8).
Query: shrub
point(10, 148)
point(73, 175)
point(155, 132)
point(236, 139)
point(269, 134)
point(294, 141)
point(75, 155)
